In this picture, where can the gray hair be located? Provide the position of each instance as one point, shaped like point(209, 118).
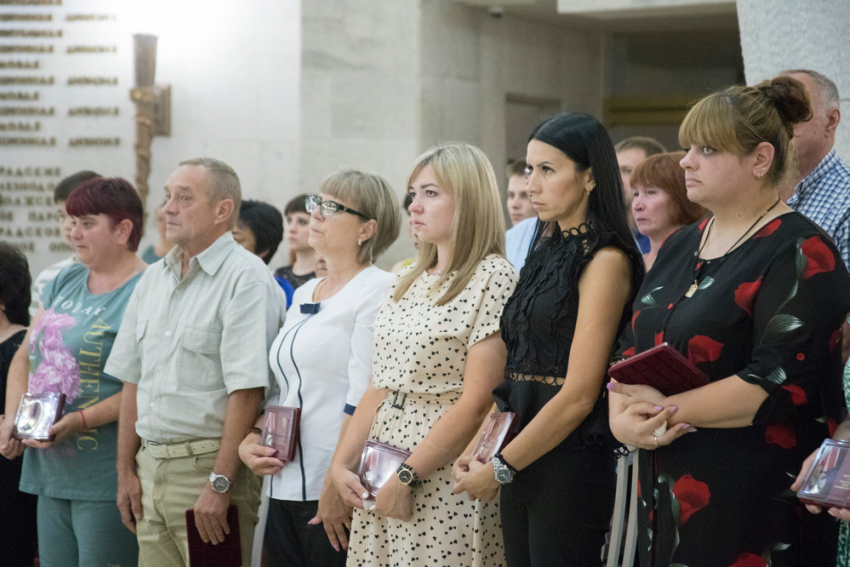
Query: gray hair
point(827, 91)
point(223, 183)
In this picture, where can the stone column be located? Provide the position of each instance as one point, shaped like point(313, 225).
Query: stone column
point(799, 34)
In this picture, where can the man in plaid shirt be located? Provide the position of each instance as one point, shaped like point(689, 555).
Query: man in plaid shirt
point(823, 193)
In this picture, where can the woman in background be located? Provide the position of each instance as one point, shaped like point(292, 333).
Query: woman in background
point(17, 509)
point(660, 204)
point(302, 258)
point(407, 261)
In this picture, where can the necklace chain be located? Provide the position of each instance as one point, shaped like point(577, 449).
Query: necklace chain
point(698, 265)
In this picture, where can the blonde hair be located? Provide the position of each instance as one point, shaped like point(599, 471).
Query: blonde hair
point(478, 227)
point(370, 194)
point(738, 119)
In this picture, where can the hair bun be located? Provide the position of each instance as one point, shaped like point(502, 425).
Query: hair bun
point(790, 99)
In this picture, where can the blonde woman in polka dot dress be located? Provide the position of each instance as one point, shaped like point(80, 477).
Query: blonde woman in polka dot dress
point(437, 357)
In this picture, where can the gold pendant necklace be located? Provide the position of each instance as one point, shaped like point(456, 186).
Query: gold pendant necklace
point(698, 264)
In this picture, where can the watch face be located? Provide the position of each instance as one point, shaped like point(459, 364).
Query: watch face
point(220, 484)
point(405, 476)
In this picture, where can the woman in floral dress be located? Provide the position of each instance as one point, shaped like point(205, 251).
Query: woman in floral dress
point(755, 297)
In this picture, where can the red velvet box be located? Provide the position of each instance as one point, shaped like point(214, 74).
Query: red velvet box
point(662, 367)
point(282, 430)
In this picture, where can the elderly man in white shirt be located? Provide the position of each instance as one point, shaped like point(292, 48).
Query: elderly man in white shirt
point(192, 351)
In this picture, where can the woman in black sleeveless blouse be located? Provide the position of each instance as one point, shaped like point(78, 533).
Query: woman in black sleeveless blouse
point(17, 509)
point(572, 301)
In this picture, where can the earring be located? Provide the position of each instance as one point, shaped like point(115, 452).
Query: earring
point(760, 174)
point(359, 242)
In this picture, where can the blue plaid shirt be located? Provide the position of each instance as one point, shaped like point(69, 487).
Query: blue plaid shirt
point(824, 197)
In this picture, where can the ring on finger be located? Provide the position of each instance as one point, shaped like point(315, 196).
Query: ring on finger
point(656, 439)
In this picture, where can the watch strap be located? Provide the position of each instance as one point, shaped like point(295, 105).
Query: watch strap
point(504, 462)
point(415, 481)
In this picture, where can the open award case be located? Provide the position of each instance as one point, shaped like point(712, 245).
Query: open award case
point(281, 430)
point(828, 482)
point(377, 464)
point(225, 554)
point(501, 428)
point(662, 367)
point(36, 414)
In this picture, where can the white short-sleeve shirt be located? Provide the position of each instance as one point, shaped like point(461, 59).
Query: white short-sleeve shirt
point(322, 362)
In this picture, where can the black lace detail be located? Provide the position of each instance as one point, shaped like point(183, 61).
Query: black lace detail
point(539, 319)
point(538, 325)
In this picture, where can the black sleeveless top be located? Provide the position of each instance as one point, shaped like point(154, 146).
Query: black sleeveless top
point(538, 324)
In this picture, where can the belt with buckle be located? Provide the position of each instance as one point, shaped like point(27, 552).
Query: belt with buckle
point(177, 450)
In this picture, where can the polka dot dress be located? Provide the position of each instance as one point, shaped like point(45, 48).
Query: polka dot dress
point(420, 351)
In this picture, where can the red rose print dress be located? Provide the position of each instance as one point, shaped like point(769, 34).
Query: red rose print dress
point(769, 312)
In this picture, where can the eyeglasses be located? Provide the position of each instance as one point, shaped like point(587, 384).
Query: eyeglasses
point(328, 207)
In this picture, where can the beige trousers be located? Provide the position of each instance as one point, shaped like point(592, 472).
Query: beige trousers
point(169, 488)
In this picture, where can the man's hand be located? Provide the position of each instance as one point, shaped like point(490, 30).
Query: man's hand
point(130, 500)
point(10, 447)
point(211, 515)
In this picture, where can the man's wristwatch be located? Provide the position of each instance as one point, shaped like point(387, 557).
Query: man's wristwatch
point(220, 483)
point(503, 472)
point(407, 476)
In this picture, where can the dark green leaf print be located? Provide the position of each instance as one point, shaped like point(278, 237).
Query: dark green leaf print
point(706, 282)
point(649, 300)
point(782, 323)
point(801, 258)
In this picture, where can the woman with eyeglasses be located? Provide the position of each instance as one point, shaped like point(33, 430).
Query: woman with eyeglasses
point(322, 360)
point(438, 356)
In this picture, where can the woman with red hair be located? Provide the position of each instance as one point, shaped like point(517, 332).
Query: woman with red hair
point(660, 204)
point(64, 352)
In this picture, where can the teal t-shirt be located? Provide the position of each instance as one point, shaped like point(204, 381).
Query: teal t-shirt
point(68, 350)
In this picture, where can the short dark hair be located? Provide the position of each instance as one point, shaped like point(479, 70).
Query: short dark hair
point(265, 222)
point(15, 282)
point(650, 146)
point(61, 192)
point(297, 204)
point(515, 167)
point(111, 196)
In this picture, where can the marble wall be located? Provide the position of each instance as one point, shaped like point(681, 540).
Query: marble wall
point(235, 73)
point(793, 34)
point(360, 93)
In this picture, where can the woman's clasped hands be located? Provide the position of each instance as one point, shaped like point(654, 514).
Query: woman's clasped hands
point(475, 478)
point(640, 416)
point(394, 499)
